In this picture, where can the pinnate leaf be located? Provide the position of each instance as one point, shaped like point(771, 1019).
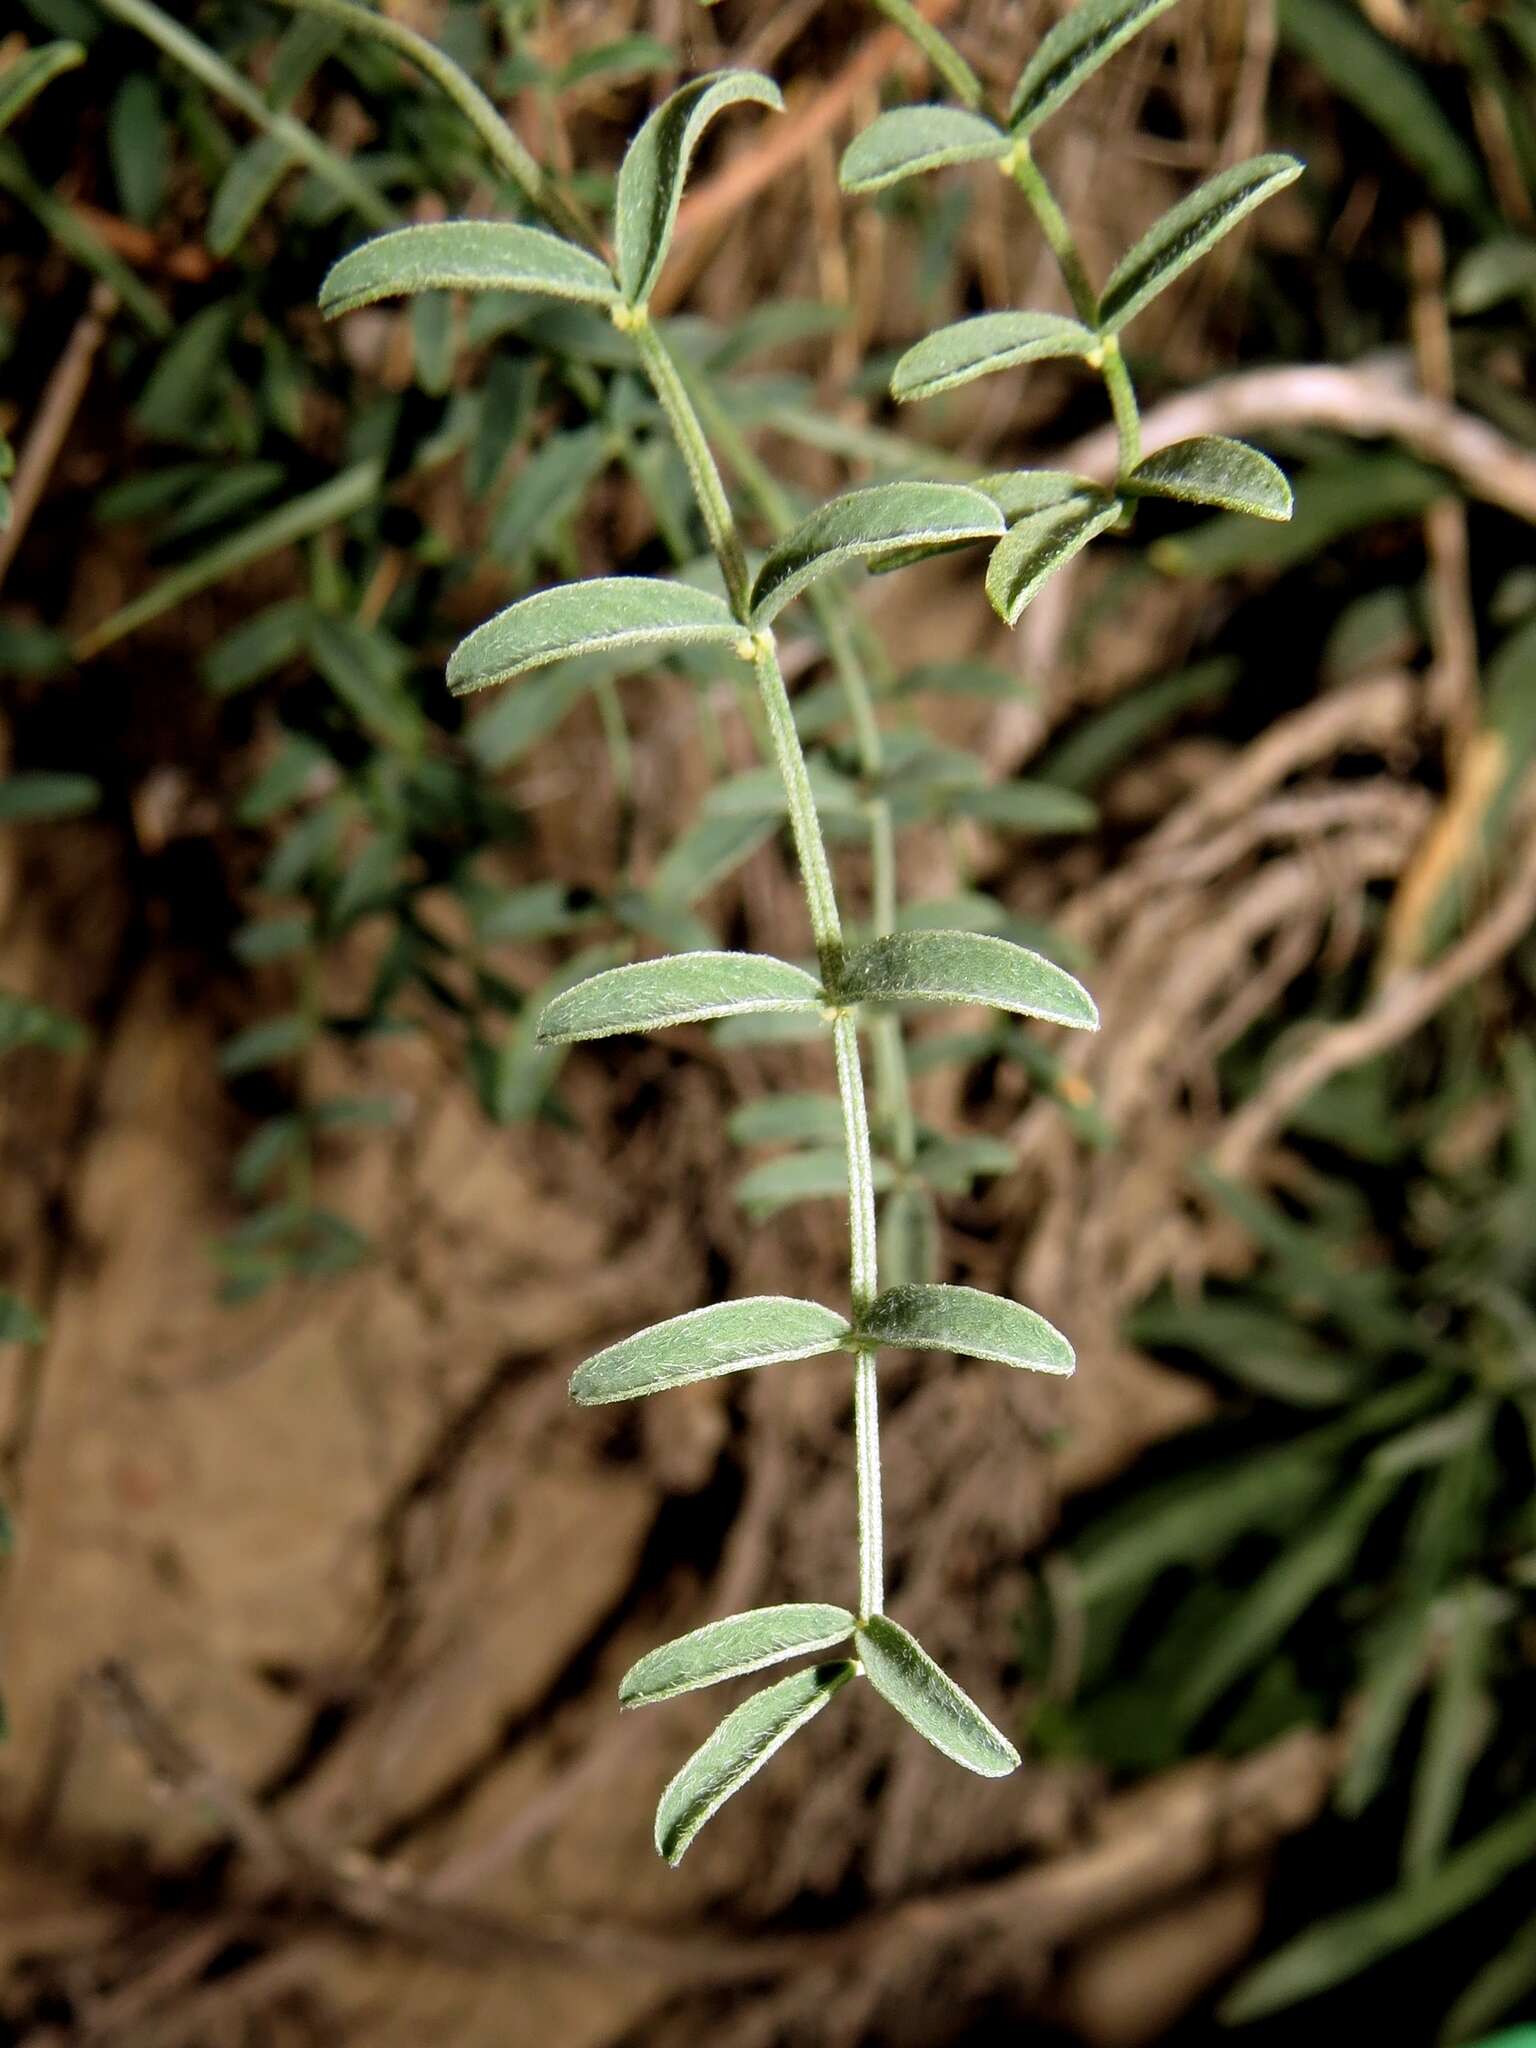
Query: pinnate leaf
point(1041, 543)
point(969, 1323)
point(1212, 470)
point(868, 525)
point(684, 988)
point(964, 967)
point(908, 140)
point(588, 618)
point(706, 1343)
point(726, 1649)
point(738, 1749)
point(904, 1674)
point(655, 168)
point(1073, 50)
point(981, 346)
point(467, 256)
point(1187, 231)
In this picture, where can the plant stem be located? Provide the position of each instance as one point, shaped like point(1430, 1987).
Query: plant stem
point(1026, 174)
point(892, 1087)
point(804, 824)
point(506, 151)
point(1020, 163)
point(826, 929)
point(863, 1287)
point(714, 505)
point(866, 1451)
point(1122, 396)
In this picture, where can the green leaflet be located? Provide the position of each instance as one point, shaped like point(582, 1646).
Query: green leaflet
point(789, 1120)
point(244, 190)
point(18, 1324)
point(1025, 806)
point(704, 1344)
point(1283, 1592)
point(1212, 470)
point(1333, 1950)
point(1390, 92)
point(726, 1649)
point(1017, 493)
point(468, 256)
point(1499, 269)
point(968, 1322)
point(908, 140)
point(905, 1676)
point(963, 967)
point(1187, 231)
point(815, 1174)
point(21, 82)
point(589, 618)
point(937, 48)
point(909, 1238)
point(1041, 543)
point(684, 988)
point(24, 1022)
point(865, 525)
point(34, 794)
point(983, 345)
point(1070, 54)
point(655, 168)
point(738, 1749)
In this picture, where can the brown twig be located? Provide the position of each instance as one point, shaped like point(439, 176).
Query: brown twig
point(141, 247)
point(1402, 1006)
point(780, 146)
point(51, 423)
point(1369, 401)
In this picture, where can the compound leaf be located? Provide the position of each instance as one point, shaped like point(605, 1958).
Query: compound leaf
point(726, 1649)
point(1212, 470)
point(1041, 543)
point(704, 1344)
point(588, 618)
point(964, 967)
point(981, 346)
point(466, 256)
point(739, 1748)
point(903, 1674)
point(908, 140)
point(969, 1323)
point(870, 525)
point(1071, 53)
point(655, 167)
point(683, 988)
point(1187, 230)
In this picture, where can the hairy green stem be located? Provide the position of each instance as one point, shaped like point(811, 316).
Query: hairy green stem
point(714, 505)
point(212, 71)
point(866, 1451)
point(1122, 397)
point(1025, 172)
point(893, 1100)
point(826, 930)
point(804, 824)
point(506, 151)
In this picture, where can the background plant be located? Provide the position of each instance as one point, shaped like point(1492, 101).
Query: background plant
point(1264, 595)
